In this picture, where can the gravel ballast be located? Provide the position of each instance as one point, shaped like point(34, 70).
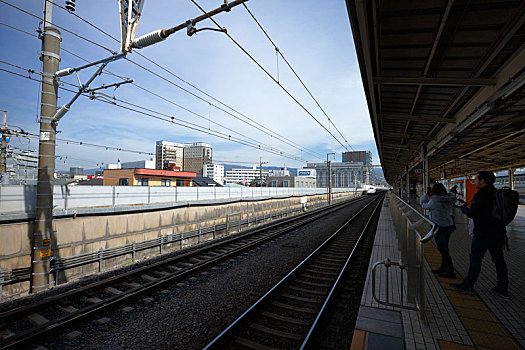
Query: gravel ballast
point(190, 314)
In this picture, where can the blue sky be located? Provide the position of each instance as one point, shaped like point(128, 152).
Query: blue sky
point(314, 37)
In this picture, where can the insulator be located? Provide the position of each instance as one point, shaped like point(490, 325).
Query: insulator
point(70, 5)
point(148, 39)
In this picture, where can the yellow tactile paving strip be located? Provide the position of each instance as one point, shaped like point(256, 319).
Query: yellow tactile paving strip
point(447, 345)
point(483, 327)
point(359, 340)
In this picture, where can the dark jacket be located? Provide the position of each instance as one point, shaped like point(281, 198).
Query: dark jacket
point(481, 212)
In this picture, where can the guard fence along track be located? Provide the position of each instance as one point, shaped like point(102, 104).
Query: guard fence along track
point(59, 265)
point(32, 323)
point(291, 314)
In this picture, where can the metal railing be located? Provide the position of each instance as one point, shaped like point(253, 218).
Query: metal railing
point(412, 229)
point(98, 257)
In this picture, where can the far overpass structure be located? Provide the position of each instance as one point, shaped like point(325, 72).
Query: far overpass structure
point(444, 84)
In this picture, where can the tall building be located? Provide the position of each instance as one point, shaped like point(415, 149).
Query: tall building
point(214, 172)
point(196, 155)
point(169, 155)
point(244, 176)
point(364, 157)
point(344, 174)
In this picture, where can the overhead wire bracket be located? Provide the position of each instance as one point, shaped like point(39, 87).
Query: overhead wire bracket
point(83, 88)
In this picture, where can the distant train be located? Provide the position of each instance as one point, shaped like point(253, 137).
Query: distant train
point(371, 190)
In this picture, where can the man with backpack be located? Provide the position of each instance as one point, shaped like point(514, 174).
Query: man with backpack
point(489, 234)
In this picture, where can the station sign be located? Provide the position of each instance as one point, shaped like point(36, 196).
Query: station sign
point(454, 171)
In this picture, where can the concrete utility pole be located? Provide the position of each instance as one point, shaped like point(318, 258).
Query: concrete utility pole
point(511, 178)
point(329, 163)
point(260, 170)
point(408, 184)
point(426, 178)
point(3, 151)
point(43, 227)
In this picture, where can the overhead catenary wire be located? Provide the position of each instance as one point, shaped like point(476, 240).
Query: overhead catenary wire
point(93, 145)
point(269, 132)
point(271, 76)
point(258, 126)
point(277, 136)
point(178, 122)
point(280, 53)
point(169, 118)
point(258, 143)
point(56, 25)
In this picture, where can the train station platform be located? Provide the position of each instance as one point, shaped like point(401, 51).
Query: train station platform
point(452, 320)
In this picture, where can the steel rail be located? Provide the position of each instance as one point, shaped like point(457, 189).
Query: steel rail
point(133, 293)
point(313, 329)
point(228, 331)
point(172, 260)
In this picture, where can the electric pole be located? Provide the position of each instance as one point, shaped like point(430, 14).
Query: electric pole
point(43, 227)
point(260, 170)
point(329, 163)
point(3, 151)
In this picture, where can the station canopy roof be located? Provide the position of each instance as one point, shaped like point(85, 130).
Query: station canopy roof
point(445, 78)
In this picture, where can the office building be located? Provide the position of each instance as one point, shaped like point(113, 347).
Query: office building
point(169, 155)
point(214, 172)
point(196, 155)
point(139, 164)
point(363, 157)
point(147, 177)
point(290, 181)
point(280, 172)
point(244, 176)
point(311, 173)
point(344, 174)
point(75, 171)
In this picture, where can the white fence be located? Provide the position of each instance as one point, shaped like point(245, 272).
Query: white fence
point(16, 199)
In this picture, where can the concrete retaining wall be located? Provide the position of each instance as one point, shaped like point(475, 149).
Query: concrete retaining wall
point(80, 235)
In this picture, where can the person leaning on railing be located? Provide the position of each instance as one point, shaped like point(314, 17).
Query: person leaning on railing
point(489, 234)
point(440, 204)
point(425, 198)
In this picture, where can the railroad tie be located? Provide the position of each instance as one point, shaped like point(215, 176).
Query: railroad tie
point(5, 333)
point(275, 332)
point(294, 308)
point(148, 278)
point(290, 320)
point(112, 290)
point(37, 319)
point(252, 345)
point(68, 308)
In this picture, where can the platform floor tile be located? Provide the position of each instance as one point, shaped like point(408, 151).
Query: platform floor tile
point(441, 322)
point(364, 340)
point(510, 312)
point(482, 325)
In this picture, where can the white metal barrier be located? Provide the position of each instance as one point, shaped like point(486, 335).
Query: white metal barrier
point(20, 199)
point(412, 230)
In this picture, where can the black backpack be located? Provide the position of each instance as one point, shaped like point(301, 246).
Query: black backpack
point(505, 206)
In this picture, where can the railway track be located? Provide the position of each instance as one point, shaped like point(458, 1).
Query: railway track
point(292, 313)
point(34, 322)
